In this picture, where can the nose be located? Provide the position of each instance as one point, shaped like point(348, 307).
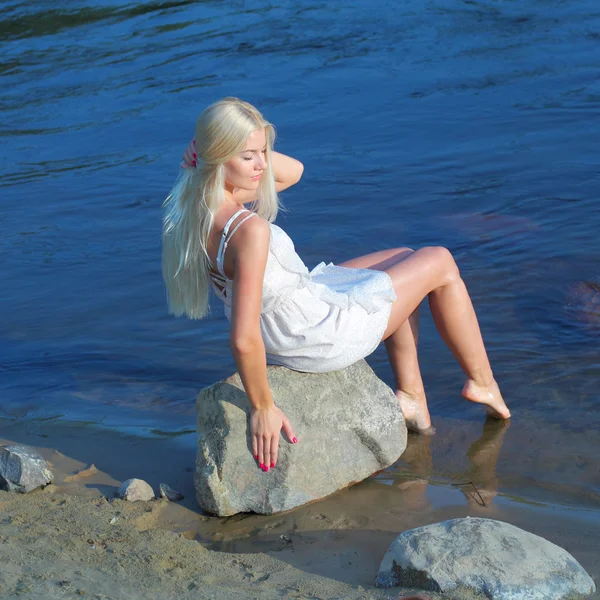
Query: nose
point(262, 161)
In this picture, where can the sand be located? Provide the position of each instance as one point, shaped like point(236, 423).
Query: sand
point(74, 539)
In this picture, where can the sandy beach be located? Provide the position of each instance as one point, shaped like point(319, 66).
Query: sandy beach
point(74, 539)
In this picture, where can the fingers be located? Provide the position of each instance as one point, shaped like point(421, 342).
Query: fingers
point(255, 447)
point(190, 156)
point(259, 451)
point(266, 453)
point(289, 432)
point(264, 449)
point(263, 445)
point(274, 451)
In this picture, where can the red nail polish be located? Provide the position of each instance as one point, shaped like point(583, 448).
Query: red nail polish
point(272, 465)
point(256, 457)
point(261, 466)
point(266, 469)
point(195, 155)
point(294, 440)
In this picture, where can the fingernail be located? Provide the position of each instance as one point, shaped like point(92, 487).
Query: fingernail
point(294, 440)
point(266, 469)
point(272, 465)
point(256, 457)
point(261, 466)
point(195, 155)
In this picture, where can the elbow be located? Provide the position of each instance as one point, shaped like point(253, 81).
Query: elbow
point(245, 344)
point(289, 174)
point(299, 172)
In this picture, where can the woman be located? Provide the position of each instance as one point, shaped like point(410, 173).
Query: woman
point(279, 312)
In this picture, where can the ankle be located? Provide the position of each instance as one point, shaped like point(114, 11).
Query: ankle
point(416, 392)
point(483, 379)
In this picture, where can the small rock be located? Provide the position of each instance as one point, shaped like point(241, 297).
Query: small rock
point(169, 493)
point(492, 559)
point(134, 490)
point(22, 469)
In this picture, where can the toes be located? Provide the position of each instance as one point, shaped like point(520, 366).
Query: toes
point(496, 414)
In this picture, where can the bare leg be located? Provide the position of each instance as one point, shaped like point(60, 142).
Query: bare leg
point(432, 272)
point(401, 347)
point(455, 319)
point(402, 351)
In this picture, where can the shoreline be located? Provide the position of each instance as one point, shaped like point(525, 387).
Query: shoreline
point(328, 549)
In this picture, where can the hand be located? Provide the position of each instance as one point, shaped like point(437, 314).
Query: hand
point(265, 427)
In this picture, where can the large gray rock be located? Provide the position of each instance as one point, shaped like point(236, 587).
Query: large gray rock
point(484, 558)
point(22, 469)
point(348, 423)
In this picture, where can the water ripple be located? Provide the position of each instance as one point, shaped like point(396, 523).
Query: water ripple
point(466, 124)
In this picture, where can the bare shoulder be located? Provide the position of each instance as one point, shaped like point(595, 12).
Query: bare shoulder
point(254, 231)
point(251, 241)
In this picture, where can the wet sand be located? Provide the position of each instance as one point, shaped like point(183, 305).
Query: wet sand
point(74, 539)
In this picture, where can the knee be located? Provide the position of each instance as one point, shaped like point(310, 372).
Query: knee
point(444, 263)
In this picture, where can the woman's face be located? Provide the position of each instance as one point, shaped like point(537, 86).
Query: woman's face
point(245, 169)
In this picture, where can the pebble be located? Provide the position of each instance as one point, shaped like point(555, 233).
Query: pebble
point(169, 493)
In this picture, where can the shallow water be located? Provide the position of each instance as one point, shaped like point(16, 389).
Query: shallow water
point(472, 125)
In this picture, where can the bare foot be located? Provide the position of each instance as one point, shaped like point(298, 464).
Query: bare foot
point(489, 395)
point(415, 411)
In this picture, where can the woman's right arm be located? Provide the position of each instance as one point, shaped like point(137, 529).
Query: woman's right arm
point(250, 249)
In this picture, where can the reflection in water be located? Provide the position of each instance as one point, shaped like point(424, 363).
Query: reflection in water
point(479, 482)
point(419, 458)
point(483, 454)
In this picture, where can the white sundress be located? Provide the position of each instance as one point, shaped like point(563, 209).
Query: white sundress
point(317, 321)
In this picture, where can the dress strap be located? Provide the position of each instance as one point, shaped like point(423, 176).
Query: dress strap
point(225, 238)
point(231, 220)
point(236, 227)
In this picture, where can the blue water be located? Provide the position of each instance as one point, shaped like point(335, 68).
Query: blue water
point(469, 124)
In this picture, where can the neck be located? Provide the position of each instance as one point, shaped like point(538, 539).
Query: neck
point(229, 197)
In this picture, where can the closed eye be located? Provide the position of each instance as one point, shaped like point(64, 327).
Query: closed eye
point(263, 152)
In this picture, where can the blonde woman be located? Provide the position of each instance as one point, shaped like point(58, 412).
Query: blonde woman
point(280, 313)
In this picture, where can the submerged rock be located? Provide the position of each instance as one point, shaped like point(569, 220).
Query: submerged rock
point(486, 558)
point(348, 423)
point(134, 490)
point(22, 469)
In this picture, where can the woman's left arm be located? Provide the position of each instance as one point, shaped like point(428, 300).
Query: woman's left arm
point(287, 170)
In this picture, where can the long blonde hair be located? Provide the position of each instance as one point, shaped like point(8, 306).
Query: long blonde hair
point(221, 132)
